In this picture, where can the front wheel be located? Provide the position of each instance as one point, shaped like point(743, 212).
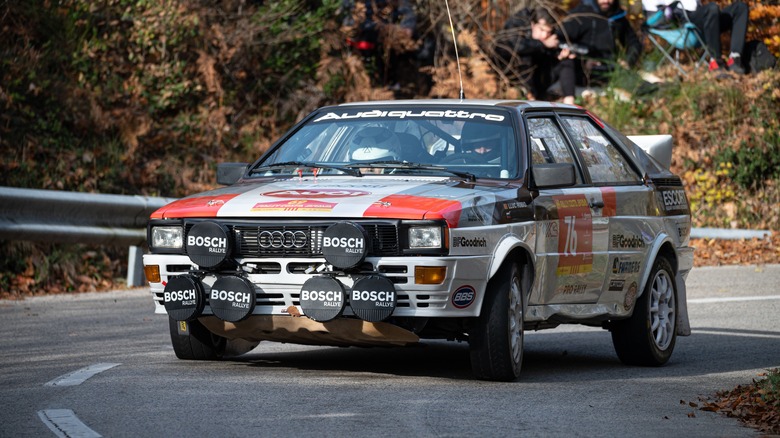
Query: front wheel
point(192, 341)
point(496, 339)
point(648, 337)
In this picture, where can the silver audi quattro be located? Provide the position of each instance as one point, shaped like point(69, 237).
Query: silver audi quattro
point(385, 223)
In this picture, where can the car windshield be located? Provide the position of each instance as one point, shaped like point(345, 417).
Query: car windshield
point(357, 141)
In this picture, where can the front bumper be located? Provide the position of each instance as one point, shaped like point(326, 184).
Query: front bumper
point(277, 292)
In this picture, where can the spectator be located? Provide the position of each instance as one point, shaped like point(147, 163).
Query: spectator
point(384, 30)
point(602, 27)
point(711, 21)
point(528, 52)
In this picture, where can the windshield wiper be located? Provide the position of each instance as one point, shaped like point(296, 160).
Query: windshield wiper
point(412, 166)
point(345, 169)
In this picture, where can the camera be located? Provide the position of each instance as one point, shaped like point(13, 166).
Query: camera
point(574, 48)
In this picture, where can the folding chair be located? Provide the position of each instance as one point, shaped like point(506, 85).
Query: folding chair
point(674, 34)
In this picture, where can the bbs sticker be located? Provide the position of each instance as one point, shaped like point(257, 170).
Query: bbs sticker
point(463, 297)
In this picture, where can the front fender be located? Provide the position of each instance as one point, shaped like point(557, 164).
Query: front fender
point(683, 323)
point(522, 239)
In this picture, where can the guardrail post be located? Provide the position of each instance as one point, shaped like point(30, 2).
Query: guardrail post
point(135, 267)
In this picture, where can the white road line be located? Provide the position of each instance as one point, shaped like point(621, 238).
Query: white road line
point(728, 333)
point(65, 424)
point(79, 376)
point(730, 299)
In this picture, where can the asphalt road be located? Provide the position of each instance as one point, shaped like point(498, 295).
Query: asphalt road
point(572, 382)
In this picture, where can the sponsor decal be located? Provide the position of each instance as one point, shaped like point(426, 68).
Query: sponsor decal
point(322, 298)
point(464, 242)
point(683, 230)
point(186, 297)
point(674, 200)
point(627, 241)
point(298, 205)
point(344, 245)
point(237, 299)
point(572, 289)
point(402, 114)
point(373, 298)
point(217, 245)
point(616, 285)
point(316, 193)
point(575, 243)
point(351, 245)
point(232, 298)
point(463, 297)
point(183, 297)
point(514, 204)
point(215, 203)
point(625, 267)
point(380, 298)
point(329, 298)
point(208, 244)
point(630, 296)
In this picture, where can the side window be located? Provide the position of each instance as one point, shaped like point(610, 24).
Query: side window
point(548, 144)
point(604, 161)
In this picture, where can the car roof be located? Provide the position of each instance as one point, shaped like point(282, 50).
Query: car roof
point(520, 104)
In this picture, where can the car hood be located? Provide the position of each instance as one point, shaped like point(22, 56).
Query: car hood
point(459, 203)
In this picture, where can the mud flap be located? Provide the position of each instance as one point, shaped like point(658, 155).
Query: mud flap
point(683, 324)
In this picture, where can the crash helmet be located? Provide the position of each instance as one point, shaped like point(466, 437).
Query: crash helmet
point(375, 143)
point(481, 139)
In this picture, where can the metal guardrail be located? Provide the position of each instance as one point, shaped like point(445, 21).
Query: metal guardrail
point(73, 217)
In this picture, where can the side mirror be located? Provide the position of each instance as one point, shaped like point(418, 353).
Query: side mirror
point(547, 176)
point(230, 173)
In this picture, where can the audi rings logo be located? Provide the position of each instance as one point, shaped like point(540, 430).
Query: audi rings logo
point(282, 239)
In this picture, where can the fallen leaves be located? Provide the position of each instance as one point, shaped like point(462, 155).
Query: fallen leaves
point(757, 404)
point(717, 252)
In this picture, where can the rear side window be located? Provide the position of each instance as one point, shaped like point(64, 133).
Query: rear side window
point(548, 144)
point(603, 159)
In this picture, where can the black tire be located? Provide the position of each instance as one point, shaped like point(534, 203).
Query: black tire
point(198, 344)
point(647, 338)
point(496, 339)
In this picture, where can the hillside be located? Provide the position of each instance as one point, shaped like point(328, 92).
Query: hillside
point(140, 97)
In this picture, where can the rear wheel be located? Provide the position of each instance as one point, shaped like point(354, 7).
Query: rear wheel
point(648, 337)
point(192, 341)
point(496, 339)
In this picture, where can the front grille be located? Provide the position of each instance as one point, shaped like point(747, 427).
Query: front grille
point(300, 239)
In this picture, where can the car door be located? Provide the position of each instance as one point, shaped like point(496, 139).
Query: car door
point(625, 201)
point(572, 233)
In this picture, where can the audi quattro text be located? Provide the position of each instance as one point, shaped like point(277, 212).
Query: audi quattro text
point(386, 223)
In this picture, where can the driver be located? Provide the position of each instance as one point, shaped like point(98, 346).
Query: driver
point(481, 142)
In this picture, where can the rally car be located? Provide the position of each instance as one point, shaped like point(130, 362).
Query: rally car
point(384, 223)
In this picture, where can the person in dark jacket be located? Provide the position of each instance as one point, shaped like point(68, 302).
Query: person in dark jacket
point(602, 27)
point(385, 36)
point(527, 50)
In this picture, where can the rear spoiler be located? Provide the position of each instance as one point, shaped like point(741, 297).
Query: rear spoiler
point(657, 146)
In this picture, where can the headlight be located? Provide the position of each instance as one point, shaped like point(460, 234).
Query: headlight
point(167, 237)
point(425, 237)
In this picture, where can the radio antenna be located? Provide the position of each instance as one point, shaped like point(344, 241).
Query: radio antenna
point(457, 58)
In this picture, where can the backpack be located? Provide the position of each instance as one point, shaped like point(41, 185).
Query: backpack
point(758, 57)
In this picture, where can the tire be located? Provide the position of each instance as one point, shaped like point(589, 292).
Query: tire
point(198, 344)
point(647, 338)
point(496, 339)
